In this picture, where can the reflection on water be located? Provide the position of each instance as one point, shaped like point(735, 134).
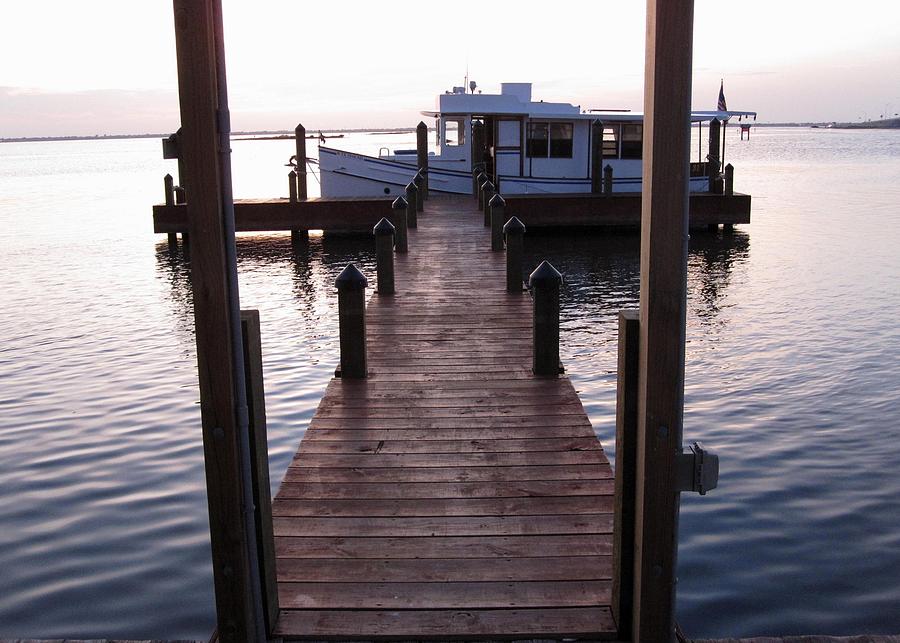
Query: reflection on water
point(792, 364)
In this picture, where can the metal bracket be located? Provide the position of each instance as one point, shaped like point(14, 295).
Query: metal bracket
point(698, 469)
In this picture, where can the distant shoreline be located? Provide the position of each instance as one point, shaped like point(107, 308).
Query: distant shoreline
point(889, 123)
point(258, 135)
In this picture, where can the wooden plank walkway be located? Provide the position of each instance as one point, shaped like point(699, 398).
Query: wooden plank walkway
point(452, 494)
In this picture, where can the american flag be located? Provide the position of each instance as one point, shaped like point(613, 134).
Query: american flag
point(721, 106)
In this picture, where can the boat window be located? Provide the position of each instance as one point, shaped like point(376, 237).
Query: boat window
point(552, 140)
point(455, 132)
point(632, 141)
point(561, 140)
point(611, 141)
point(536, 146)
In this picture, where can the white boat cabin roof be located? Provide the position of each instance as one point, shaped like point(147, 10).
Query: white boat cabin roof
point(514, 99)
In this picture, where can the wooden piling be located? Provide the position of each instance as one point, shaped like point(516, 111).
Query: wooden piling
point(729, 180)
point(514, 231)
point(351, 286)
point(489, 193)
point(477, 171)
point(419, 180)
point(412, 217)
point(544, 283)
point(713, 158)
point(384, 256)
point(399, 208)
point(498, 218)
point(664, 237)
point(608, 180)
point(196, 47)
point(422, 155)
point(169, 186)
point(259, 453)
point(626, 446)
point(292, 186)
point(300, 142)
point(596, 157)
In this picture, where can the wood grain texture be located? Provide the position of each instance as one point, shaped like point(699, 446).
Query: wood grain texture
point(450, 494)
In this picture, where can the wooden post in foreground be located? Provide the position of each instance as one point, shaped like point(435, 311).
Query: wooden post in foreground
point(398, 212)
point(351, 285)
point(412, 216)
point(422, 155)
point(259, 447)
point(626, 438)
point(514, 231)
point(544, 283)
point(196, 44)
point(412, 204)
point(384, 256)
point(664, 241)
point(596, 157)
point(489, 193)
point(498, 216)
point(300, 142)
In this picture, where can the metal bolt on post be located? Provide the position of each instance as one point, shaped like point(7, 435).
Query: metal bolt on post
point(399, 214)
point(514, 230)
point(384, 256)
point(351, 285)
point(489, 193)
point(498, 209)
point(544, 283)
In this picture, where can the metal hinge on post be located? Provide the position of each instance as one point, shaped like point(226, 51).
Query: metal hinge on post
point(698, 469)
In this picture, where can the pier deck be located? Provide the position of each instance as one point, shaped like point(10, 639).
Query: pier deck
point(452, 494)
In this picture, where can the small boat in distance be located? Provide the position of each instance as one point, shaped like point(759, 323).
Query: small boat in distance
point(528, 147)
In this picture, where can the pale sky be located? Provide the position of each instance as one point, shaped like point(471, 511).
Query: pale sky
point(108, 66)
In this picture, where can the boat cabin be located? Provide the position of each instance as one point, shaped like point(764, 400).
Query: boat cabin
point(525, 146)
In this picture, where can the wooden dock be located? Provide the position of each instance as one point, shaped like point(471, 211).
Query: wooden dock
point(536, 211)
point(452, 494)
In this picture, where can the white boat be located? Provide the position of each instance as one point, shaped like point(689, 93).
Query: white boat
point(528, 147)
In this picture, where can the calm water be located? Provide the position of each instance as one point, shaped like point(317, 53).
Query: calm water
point(793, 376)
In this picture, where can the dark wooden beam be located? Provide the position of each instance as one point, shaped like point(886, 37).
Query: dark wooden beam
point(361, 214)
point(198, 142)
point(280, 214)
point(664, 244)
point(619, 209)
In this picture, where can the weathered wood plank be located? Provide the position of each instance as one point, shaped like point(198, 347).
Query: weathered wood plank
point(448, 474)
point(460, 490)
point(468, 595)
point(436, 507)
point(478, 434)
point(499, 459)
point(588, 443)
point(445, 526)
point(505, 624)
point(411, 547)
point(444, 570)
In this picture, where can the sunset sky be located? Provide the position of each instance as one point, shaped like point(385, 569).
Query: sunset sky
point(108, 66)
